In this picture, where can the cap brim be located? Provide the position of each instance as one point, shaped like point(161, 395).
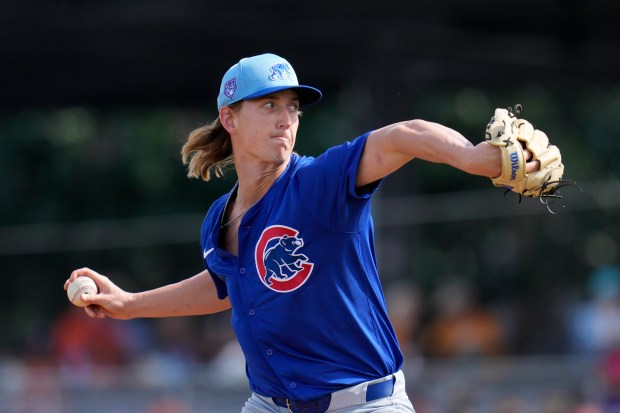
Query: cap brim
point(307, 94)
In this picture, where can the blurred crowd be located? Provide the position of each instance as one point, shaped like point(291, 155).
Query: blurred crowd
point(453, 324)
point(456, 325)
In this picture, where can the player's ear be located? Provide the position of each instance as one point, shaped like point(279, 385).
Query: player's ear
point(228, 119)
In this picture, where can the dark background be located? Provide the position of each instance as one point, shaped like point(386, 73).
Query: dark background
point(97, 98)
point(174, 52)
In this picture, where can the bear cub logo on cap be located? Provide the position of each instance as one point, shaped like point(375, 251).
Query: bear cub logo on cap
point(281, 70)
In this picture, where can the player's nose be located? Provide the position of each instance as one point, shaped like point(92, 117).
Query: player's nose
point(285, 119)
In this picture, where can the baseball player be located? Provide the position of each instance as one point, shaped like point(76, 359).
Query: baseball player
point(290, 248)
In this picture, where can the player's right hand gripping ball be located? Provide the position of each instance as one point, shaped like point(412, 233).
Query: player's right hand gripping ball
point(512, 135)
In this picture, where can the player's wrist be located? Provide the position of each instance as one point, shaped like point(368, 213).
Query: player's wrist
point(129, 306)
point(482, 159)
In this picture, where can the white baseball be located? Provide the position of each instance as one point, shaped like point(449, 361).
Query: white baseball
point(81, 285)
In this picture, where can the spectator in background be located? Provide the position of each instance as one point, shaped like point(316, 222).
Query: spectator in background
point(168, 403)
point(460, 327)
point(76, 340)
point(404, 302)
point(81, 344)
point(609, 375)
point(594, 325)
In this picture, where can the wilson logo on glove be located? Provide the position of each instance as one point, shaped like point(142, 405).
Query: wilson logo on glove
point(514, 164)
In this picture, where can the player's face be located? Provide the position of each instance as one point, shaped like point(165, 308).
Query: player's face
point(268, 126)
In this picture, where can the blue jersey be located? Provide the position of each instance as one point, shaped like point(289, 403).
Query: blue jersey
point(307, 305)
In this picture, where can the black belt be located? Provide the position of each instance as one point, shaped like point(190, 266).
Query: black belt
point(373, 392)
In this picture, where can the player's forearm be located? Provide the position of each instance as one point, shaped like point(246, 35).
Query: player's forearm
point(437, 143)
point(389, 148)
point(193, 296)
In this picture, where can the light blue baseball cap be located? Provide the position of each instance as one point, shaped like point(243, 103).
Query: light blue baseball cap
point(260, 75)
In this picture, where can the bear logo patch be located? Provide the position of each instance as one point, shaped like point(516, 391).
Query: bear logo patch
point(281, 71)
point(280, 266)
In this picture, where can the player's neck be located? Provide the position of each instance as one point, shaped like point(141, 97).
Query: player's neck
point(255, 182)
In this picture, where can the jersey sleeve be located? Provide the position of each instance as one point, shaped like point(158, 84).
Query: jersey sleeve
point(207, 250)
point(220, 284)
point(327, 188)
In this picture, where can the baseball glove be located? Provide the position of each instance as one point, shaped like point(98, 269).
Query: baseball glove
point(512, 136)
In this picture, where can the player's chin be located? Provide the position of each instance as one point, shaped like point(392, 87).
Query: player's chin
point(281, 154)
point(282, 144)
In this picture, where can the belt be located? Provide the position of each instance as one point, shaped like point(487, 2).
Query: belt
point(374, 391)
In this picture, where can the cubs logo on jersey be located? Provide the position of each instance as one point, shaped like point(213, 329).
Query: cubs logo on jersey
point(280, 265)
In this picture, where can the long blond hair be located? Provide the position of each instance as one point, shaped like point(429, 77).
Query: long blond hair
point(208, 151)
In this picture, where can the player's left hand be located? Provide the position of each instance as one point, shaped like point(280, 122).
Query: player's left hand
point(491, 163)
point(530, 165)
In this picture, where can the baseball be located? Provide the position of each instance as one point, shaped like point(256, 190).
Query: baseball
point(79, 286)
